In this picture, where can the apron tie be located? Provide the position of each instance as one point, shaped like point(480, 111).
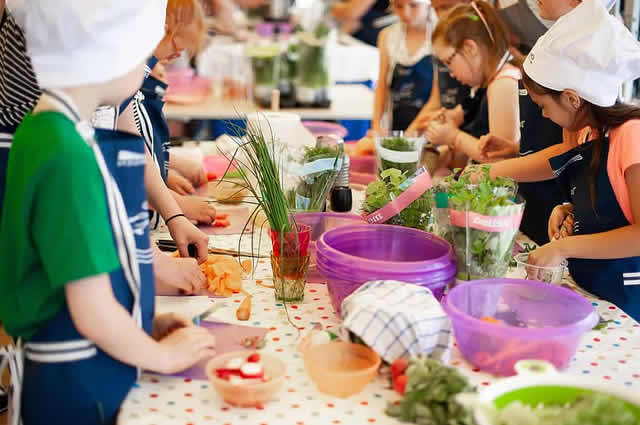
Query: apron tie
point(13, 357)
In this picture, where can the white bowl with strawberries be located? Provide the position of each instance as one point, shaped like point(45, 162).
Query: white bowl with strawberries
point(246, 378)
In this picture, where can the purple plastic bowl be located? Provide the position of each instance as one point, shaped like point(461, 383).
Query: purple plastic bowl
point(539, 322)
point(320, 223)
point(350, 256)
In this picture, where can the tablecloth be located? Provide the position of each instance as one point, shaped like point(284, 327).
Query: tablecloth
point(611, 355)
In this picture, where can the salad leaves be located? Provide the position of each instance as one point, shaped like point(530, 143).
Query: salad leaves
point(481, 253)
point(398, 144)
point(391, 184)
point(429, 397)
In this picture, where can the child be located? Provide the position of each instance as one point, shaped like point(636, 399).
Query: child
point(406, 71)
point(184, 30)
point(68, 243)
point(472, 42)
point(19, 90)
point(576, 81)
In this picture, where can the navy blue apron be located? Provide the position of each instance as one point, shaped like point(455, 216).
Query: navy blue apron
point(537, 133)
point(613, 280)
point(454, 93)
point(68, 379)
point(409, 90)
point(370, 26)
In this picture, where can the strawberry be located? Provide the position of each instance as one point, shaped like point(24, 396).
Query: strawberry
point(400, 384)
point(254, 358)
point(398, 367)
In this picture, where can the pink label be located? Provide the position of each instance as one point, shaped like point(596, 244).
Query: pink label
point(484, 222)
point(420, 185)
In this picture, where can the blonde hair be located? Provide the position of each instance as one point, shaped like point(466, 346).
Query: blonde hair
point(183, 14)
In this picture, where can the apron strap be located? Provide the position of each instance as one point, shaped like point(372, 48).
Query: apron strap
point(125, 240)
point(13, 357)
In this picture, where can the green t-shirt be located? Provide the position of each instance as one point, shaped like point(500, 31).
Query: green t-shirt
point(55, 228)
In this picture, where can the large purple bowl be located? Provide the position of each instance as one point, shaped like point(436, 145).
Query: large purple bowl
point(352, 255)
point(320, 222)
point(498, 322)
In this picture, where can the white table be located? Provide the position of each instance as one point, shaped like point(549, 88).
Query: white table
point(610, 355)
point(348, 102)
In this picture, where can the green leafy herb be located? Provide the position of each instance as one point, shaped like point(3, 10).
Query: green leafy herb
point(311, 193)
point(398, 144)
point(379, 193)
point(313, 70)
point(429, 397)
point(480, 253)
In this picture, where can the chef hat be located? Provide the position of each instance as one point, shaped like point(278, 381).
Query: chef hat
point(74, 43)
point(586, 50)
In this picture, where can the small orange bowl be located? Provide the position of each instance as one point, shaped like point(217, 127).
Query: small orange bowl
point(341, 368)
point(248, 394)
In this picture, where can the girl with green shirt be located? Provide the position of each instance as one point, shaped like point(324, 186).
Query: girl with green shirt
point(77, 282)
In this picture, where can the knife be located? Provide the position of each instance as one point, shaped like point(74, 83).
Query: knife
point(170, 245)
point(207, 313)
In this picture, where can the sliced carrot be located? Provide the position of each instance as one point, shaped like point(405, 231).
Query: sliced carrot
point(247, 265)
point(222, 216)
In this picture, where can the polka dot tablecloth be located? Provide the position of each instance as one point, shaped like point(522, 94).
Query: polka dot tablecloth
point(612, 355)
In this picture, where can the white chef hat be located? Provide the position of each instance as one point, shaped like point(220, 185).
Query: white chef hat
point(74, 43)
point(586, 50)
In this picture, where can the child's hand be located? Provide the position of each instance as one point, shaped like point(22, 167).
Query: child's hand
point(455, 115)
point(561, 222)
point(495, 147)
point(179, 184)
point(178, 274)
point(185, 347)
point(185, 233)
point(421, 123)
point(190, 169)
point(442, 133)
point(164, 324)
point(549, 255)
point(197, 209)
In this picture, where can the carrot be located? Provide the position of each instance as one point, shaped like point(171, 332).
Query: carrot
point(244, 311)
point(222, 216)
point(247, 266)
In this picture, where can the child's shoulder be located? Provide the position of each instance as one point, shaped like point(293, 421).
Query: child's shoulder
point(50, 131)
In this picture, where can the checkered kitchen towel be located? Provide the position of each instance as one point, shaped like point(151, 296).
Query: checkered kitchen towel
point(398, 319)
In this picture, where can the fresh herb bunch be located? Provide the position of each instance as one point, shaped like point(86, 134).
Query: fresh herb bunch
point(379, 193)
point(312, 191)
point(398, 144)
point(265, 61)
point(490, 252)
point(313, 71)
point(259, 164)
point(430, 395)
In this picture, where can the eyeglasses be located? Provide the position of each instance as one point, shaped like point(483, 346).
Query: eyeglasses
point(448, 61)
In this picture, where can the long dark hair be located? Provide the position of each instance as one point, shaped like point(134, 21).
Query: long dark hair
point(605, 118)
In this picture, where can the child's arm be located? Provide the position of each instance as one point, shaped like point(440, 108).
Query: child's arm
point(432, 105)
point(101, 319)
point(530, 168)
point(160, 198)
point(193, 170)
point(351, 9)
point(618, 243)
point(382, 89)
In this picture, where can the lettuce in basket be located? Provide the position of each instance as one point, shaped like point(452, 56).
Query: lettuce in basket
point(391, 184)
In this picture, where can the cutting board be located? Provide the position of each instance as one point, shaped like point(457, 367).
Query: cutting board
point(238, 217)
point(228, 339)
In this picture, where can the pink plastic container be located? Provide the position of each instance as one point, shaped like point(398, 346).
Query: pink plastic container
point(320, 223)
point(498, 322)
point(324, 128)
point(350, 256)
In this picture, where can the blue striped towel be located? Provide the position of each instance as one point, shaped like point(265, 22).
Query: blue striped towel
point(398, 319)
